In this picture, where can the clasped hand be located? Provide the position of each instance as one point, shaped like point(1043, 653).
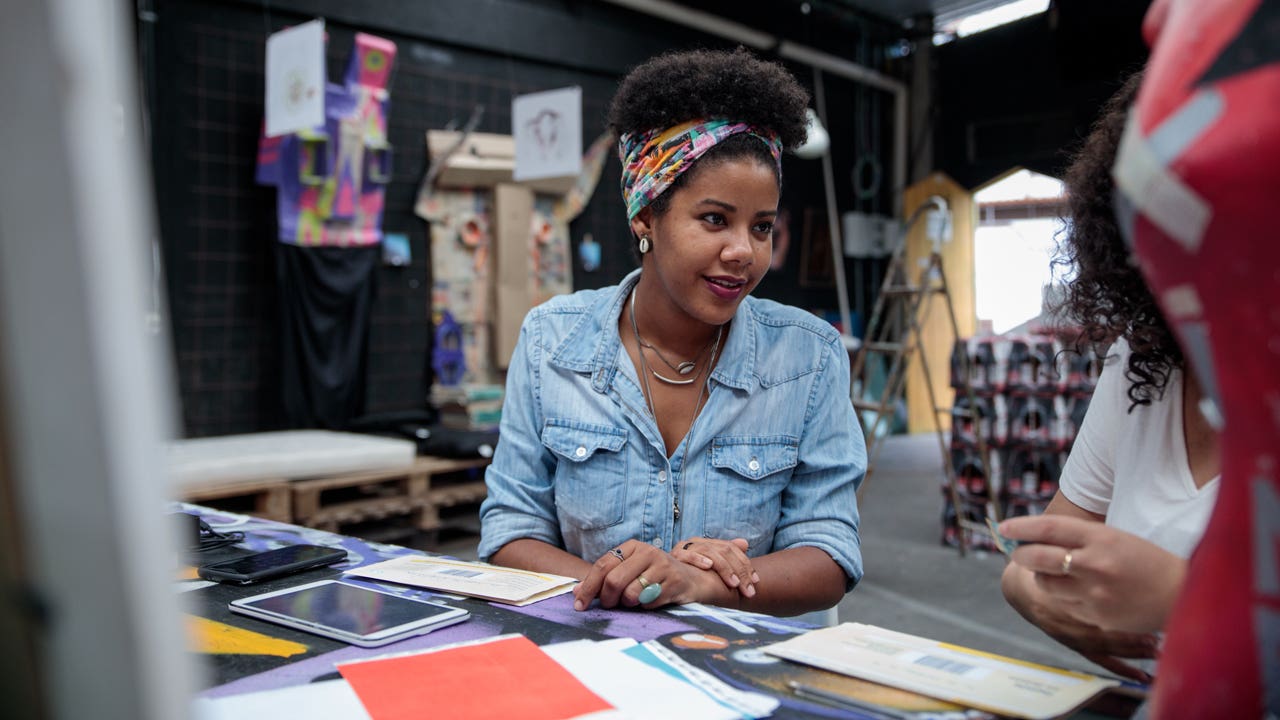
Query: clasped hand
point(697, 570)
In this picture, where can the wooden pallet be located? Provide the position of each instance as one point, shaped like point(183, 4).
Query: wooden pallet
point(272, 497)
point(419, 490)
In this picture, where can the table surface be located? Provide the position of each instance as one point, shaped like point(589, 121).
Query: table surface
point(725, 643)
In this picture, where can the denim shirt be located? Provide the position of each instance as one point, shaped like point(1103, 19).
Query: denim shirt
point(775, 456)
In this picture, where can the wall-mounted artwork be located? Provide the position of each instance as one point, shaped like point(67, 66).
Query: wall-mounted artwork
point(295, 79)
point(469, 289)
point(547, 127)
point(332, 178)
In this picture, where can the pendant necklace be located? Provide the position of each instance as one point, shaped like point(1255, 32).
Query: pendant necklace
point(683, 368)
point(645, 370)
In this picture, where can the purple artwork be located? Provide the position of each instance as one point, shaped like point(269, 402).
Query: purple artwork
point(641, 625)
point(332, 179)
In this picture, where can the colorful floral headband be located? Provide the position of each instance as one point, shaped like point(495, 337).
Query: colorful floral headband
point(651, 161)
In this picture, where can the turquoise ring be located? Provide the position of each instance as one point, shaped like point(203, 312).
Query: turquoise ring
point(650, 591)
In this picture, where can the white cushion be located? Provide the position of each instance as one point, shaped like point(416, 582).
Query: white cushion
point(288, 454)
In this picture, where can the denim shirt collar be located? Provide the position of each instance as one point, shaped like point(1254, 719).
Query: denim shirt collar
point(592, 345)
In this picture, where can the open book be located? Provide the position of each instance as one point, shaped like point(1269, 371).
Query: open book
point(473, 579)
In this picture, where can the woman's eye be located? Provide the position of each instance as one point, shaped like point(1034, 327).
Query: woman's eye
point(713, 218)
point(765, 228)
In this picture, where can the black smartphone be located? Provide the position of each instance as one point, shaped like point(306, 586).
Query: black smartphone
point(271, 563)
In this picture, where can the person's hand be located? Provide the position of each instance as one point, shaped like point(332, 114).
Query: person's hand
point(1096, 574)
point(619, 581)
point(728, 558)
point(1099, 646)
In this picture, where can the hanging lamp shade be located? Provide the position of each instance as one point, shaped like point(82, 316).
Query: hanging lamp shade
point(818, 141)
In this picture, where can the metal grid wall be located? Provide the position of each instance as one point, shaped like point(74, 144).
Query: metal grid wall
point(218, 226)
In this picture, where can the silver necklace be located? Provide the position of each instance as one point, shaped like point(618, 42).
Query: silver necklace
point(683, 368)
point(697, 404)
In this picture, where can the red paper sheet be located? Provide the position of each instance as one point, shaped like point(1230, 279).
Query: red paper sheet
point(509, 678)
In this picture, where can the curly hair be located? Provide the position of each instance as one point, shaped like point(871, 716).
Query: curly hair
point(679, 86)
point(1108, 297)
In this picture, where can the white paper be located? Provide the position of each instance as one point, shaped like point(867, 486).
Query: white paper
point(490, 582)
point(295, 79)
point(637, 690)
point(328, 700)
point(547, 127)
point(189, 585)
point(1005, 686)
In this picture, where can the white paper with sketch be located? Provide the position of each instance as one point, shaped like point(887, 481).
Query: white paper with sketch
point(976, 679)
point(547, 127)
point(295, 79)
point(474, 579)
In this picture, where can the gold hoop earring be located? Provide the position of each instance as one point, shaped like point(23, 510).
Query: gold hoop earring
point(645, 244)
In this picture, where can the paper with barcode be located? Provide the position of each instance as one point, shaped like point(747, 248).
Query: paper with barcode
point(474, 579)
point(976, 679)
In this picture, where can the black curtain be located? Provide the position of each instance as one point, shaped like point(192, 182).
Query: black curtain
point(326, 298)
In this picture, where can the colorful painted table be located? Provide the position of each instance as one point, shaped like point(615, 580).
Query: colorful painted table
point(243, 655)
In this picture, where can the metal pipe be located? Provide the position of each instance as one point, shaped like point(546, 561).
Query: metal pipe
point(899, 150)
point(839, 66)
point(699, 20)
point(833, 221)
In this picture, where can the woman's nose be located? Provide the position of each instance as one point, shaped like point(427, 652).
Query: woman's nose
point(737, 248)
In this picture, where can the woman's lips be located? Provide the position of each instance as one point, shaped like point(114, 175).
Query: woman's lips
point(726, 288)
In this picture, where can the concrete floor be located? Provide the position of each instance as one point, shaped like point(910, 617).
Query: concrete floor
point(912, 583)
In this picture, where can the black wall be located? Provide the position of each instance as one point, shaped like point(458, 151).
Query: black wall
point(1026, 93)
point(202, 61)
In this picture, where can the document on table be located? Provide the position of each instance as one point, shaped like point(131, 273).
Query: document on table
point(473, 579)
point(328, 700)
point(495, 679)
point(748, 705)
point(956, 674)
point(638, 689)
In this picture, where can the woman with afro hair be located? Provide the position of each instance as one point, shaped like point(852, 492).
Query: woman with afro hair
point(672, 439)
point(1145, 461)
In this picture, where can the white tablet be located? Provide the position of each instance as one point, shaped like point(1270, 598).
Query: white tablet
point(357, 615)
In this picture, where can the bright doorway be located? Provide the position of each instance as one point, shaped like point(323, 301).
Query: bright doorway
point(1019, 221)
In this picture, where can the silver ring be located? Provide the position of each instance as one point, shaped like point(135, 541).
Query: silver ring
point(617, 552)
point(1066, 563)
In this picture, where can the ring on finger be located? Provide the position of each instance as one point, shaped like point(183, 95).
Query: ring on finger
point(648, 591)
point(686, 545)
point(1066, 563)
point(617, 552)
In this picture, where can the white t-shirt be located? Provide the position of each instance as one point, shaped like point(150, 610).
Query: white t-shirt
point(1132, 467)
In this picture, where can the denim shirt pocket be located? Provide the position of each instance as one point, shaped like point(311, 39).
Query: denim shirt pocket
point(746, 480)
point(591, 472)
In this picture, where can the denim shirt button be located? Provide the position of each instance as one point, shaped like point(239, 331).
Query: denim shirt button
point(754, 465)
point(580, 452)
point(657, 542)
point(662, 476)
